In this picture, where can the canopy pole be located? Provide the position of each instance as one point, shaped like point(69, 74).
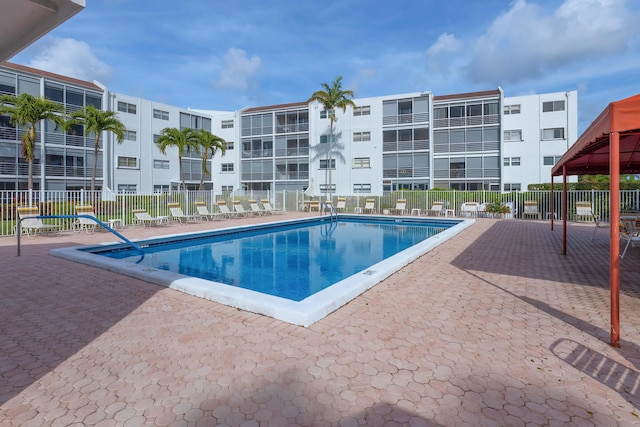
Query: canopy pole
point(551, 207)
point(563, 209)
point(614, 236)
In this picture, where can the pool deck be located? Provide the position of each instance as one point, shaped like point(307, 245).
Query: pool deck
point(493, 327)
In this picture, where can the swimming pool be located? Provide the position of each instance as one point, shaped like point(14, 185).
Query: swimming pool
point(297, 271)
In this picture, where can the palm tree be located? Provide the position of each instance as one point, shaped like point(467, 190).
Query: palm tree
point(209, 143)
point(183, 140)
point(97, 121)
point(332, 97)
point(28, 111)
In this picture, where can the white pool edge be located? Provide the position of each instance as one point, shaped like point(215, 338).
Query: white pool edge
point(303, 313)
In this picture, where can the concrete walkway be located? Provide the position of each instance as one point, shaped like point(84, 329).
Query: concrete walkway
point(492, 328)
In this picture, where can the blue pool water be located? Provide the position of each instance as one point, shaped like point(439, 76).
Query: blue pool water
point(297, 271)
point(291, 261)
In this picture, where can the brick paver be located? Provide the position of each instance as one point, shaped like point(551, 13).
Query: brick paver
point(494, 327)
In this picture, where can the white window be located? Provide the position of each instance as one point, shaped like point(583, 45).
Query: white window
point(229, 145)
point(512, 161)
point(364, 110)
point(552, 133)
point(512, 109)
point(550, 160)
point(325, 138)
point(129, 188)
point(160, 188)
point(227, 124)
point(227, 188)
point(513, 135)
point(324, 188)
point(361, 136)
point(361, 162)
point(512, 187)
point(127, 162)
point(161, 164)
point(125, 107)
point(160, 114)
point(325, 162)
point(227, 167)
point(552, 106)
point(326, 114)
point(130, 135)
point(362, 188)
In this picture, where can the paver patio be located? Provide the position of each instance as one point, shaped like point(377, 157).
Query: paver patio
point(493, 327)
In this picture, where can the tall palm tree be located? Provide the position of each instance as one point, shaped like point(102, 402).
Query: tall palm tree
point(209, 143)
point(97, 121)
point(332, 97)
point(183, 140)
point(28, 111)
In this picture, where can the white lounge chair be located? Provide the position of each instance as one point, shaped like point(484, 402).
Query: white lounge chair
point(141, 216)
point(203, 211)
point(401, 207)
point(86, 224)
point(31, 225)
point(437, 209)
point(341, 206)
point(584, 211)
point(469, 209)
point(369, 206)
point(177, 214)
point(268, 208)
point(314, 205)
point(224, 209)
point(239, 208)
point(531, 209)
point(255, 209)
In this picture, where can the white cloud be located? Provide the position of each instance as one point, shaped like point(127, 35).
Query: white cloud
point(238, 70)
point(525, 42)
point(441, 56)
point(71, 58)
point(446, 43)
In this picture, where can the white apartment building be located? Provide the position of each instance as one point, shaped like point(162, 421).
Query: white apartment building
point(468, 141)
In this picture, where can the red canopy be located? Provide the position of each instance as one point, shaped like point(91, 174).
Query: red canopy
point(610, 146)
point(590, 154)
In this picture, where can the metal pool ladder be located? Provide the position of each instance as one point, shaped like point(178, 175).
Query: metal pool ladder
point(91, 217)
point(332, 210)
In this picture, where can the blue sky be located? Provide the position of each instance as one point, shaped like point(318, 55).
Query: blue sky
point(228, 55)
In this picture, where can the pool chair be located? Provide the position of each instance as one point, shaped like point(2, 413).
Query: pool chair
point(437, 209)
point(531, 209)
point(369, 206)
point(225, 211)
point(268, 208)
point(203, 211)
point(31, 225)
point(141, 216)
point(584, 212)
point(469, 209)
point(630, 234)
point(314, 205)
point(341, 206)
point(239, 209)
point(178, 215)
point(401, 207)
point(255, 209)
point(86, 224)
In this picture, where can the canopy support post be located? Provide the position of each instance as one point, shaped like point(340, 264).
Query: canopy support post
point(614, 235)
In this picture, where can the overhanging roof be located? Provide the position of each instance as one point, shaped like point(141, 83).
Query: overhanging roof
point(590, 153)
point(24, 21)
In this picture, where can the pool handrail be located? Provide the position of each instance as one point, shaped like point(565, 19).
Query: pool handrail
point(329, 207)
point(91, 217)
